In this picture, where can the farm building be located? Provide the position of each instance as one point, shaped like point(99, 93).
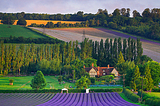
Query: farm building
point(101, 71)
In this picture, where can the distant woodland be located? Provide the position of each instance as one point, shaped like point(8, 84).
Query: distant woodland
point(145, 24)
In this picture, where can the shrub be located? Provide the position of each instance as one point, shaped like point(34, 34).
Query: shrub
point(11, 80)
point(38, 82)
point(130, 95)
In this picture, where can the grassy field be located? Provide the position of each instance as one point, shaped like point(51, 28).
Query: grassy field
point(15, 30)
point(25, 81)
point(157, 94)
point(29, 22)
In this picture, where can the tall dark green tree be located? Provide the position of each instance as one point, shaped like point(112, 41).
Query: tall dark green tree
point(124, 49)
point(22, 21)
point(8, 19)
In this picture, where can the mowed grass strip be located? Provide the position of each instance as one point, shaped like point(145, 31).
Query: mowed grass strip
point(17, 31)
point(23, 83)
point(29, 22)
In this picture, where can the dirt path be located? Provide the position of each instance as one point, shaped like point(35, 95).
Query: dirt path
point(150, 49)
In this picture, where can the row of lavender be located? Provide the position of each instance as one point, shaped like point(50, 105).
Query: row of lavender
point(90, 99)
point(24, 99)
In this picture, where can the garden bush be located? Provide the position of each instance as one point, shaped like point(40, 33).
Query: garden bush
point(130, 95)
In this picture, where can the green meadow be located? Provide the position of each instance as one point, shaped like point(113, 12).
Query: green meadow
point(25, 81)
point(17, 31)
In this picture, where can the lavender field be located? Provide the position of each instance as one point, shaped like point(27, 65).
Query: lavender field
point(63, 99)
point(24, 99)
point(90, 99)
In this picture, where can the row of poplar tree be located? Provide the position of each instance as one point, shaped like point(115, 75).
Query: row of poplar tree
point(23, 58)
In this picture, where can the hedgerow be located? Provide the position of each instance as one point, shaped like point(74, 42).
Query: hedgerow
point(130, 95)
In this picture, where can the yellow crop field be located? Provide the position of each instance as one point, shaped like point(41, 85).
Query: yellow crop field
point(29, 22)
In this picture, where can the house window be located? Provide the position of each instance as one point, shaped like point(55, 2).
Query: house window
point(103, 70)
point(104, 73)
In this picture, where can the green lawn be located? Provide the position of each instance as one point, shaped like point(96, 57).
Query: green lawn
point(16, 30)
point(157, 94)
point(23, 83)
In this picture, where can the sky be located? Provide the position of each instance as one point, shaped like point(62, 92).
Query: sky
point(73, 6)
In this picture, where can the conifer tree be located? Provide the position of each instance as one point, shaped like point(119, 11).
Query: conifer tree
point(136, 75)
point(120, 58)
point(148, 77)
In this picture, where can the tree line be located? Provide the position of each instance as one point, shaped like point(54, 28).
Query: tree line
point(145, 24)
point(64, 57)
point(21, 39)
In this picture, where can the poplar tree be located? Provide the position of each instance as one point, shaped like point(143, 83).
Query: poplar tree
point(139, 48)
point(51, 52)
point(73, 54)
point(13, 58)
point(106, 51)
point(2, 57)
point(6, 60)
point(129, 54)
point(124, 48)
point(119, 45)
point(115, 51)
point(10, 56)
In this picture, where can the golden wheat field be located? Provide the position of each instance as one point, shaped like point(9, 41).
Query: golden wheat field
point(29, 22)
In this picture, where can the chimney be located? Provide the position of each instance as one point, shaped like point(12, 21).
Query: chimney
point(84, 66)
point(108, 66)
point(98, 73)
point(92, 64)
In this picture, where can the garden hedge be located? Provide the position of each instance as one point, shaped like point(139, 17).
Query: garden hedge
point(59, 90)
point(130, 95)
point(149, 100)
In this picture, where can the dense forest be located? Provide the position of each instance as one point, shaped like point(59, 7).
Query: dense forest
point(145, 24)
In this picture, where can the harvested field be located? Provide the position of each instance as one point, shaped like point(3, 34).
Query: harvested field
point(150, 48)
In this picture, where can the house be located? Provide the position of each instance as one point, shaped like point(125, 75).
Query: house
point(101, 71)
